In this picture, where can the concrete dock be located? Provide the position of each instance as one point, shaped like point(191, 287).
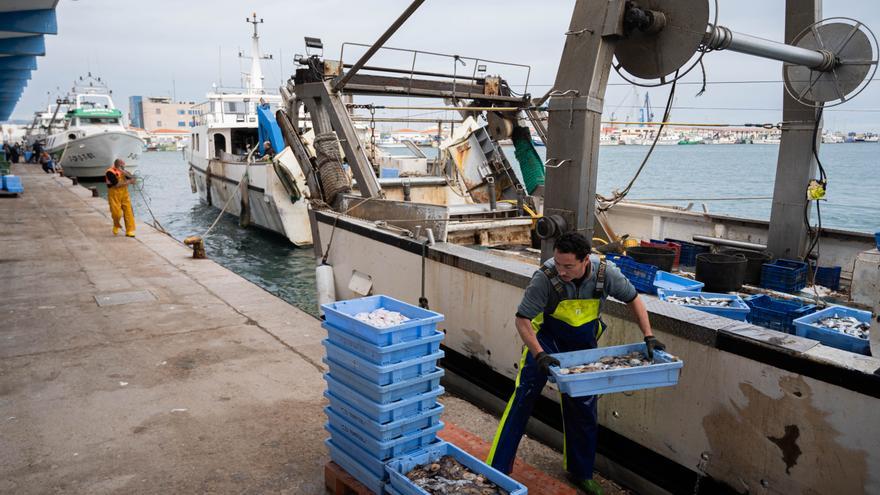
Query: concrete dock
point(126, 366)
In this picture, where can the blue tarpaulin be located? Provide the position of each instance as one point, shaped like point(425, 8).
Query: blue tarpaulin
point(268, 130)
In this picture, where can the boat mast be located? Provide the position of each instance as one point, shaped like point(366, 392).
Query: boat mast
point(255, 78)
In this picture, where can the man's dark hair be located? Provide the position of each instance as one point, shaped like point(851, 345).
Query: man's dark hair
point(573, 243)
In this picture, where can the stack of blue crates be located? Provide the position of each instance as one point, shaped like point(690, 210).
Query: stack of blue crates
point(382, 386)
point(12, 184)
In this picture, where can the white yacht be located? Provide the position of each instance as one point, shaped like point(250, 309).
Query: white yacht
point(218, 155)
point(93, 135)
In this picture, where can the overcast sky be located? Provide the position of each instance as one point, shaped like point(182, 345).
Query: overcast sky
point(164, 46)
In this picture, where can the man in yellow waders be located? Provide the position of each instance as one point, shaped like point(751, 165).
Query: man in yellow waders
point(560, 312)
point(117, 195)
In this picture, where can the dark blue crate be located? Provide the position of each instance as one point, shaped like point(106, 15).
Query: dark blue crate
point(385, 431)
point(422, 322)
point(828, 276)
point(663, 373)
point(398, 468)
point(738, 310)
point(784, 275)
point(389, 448)
point(640, 275)
point(388, 354)
point(877, 240)
point(355, 468)
point(776, 314)
point(383, 374)
point(806, 327)
point(384, 413)
point(689, 251)
point(385, 394)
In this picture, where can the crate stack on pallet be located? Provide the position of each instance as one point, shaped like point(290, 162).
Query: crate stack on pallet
point(383, 386)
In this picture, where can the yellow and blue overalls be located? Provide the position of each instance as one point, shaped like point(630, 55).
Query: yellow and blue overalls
point(565, 325)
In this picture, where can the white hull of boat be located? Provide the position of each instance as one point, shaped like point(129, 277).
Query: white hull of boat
point(269, 202)
point(91, 156)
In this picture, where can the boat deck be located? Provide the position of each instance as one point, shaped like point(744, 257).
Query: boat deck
point(128, 367)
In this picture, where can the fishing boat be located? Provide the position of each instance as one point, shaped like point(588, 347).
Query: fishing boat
point(46, 122)
point(228, 164)
point(756, 410)
point(93, 135)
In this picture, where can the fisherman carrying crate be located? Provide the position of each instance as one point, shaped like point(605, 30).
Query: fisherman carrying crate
point(560, 312)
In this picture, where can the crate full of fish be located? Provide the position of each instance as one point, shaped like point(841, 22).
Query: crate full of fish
point(620, 368)
point(383, 413)
point(446, 469)
point(776, 314)
point(382, 320)
point(385, 394)
point(384, 354)
point(838, 326)
point(383, 374)
point(726, 305)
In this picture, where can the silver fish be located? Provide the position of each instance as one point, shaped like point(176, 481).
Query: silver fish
point(847, 325)
point(447, 476)
point(719, 302)
point(632, 360)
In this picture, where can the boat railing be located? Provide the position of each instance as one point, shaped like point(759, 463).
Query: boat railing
point(478, 71)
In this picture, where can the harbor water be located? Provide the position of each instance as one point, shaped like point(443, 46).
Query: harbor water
point(717, 175)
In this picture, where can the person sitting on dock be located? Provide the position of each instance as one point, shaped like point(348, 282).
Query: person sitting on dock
point(560, 312)
point(117, 195)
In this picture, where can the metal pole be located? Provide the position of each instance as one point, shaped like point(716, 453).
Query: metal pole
point(378, 44)
point(722, 38)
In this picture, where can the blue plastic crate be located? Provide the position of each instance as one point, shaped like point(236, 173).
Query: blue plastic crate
point(640, 275)
point(689, 251)
point(385, 431)
point(663, 373)
point(668, 281)
point(422, 322)
point(355, 468)
point(877, 240)
point(828, 276)
point(806, 327)
point(385, 394)
point(738, 309)
point(398, 467)
point(784, 275)
point(383, 374)
point(375, 466)
point(776, 314)
point(12, 183)
point(388, 354)
point(384, 413)
point(383, 449)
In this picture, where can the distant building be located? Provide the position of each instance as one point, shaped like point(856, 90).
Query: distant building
point(159, 112)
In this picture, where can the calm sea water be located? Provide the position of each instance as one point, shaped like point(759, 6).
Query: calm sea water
point(701, 173)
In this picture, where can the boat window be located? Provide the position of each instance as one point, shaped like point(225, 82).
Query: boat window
point(99, 120)
point(242, 140)
point(234, 107)
point(219, 144)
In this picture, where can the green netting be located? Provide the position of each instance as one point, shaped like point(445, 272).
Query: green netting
point(529, 162)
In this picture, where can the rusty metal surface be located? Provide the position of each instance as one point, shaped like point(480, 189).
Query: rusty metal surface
point(404, 214)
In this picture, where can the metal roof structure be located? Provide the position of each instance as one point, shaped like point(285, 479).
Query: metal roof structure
point(23, 26)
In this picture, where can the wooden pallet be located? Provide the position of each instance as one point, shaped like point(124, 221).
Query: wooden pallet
point(339, 482)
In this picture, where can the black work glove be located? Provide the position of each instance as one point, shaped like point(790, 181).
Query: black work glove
point(545, 361)
point(653, 343)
